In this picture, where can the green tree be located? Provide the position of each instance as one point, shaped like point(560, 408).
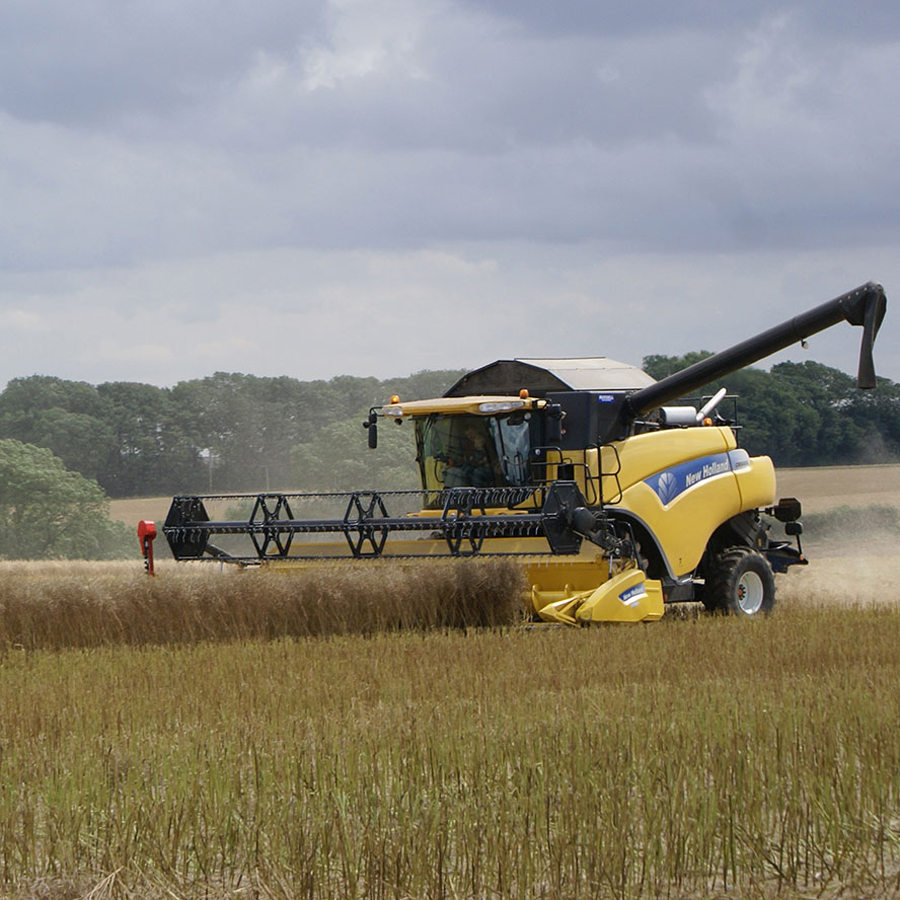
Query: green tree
point(659, 367)
point(831, 393)
point(227, 432)
point(69, 418)
point(248, 425)
point(154, 451)
point(339, 458)
point(775, 421)
point(283, 433)
point(48, 512)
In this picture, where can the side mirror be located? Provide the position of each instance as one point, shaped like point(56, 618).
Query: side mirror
point(372, 425)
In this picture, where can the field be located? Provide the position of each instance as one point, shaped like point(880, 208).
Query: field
point(221, 735)
point(133, 511)
point(827, 487)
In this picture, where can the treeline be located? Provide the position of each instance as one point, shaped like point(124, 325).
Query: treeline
point(224, 433)
point(233, 432)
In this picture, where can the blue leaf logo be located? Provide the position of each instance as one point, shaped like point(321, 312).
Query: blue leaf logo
point(667, 487)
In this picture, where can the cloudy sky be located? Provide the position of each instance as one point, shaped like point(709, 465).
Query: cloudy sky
point(375, 187)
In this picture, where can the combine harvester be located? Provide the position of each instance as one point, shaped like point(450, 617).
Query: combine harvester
point(614, 502)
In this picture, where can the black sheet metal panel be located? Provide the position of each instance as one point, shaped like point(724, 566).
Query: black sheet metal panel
point(541, 376)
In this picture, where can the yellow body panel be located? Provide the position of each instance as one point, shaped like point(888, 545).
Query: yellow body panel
point(684, 483)
point(644, 455)
point(757, 483)
point(449, 406)
point(626, 597)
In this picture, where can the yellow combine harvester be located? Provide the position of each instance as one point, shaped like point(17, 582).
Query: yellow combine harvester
point(615, 502)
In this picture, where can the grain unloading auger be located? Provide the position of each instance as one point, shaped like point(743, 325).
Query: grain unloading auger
point(614, 502)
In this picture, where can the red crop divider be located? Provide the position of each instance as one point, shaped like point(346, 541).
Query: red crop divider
point(146, 534)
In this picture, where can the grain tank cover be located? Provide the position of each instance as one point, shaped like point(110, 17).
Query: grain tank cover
point(542, 376)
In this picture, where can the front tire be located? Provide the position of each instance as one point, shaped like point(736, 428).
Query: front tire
point(740, 581)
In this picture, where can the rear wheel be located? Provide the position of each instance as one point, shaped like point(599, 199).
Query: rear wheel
point(740, 581)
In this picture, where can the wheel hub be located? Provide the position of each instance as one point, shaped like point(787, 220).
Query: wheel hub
point(750, 593)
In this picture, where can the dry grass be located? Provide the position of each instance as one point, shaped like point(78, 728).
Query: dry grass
point(54, 606)
point(689, 759)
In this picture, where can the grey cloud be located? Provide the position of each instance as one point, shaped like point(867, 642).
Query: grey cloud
point(880, 18)
point(481, 91)
point(95, 61)
point(423, 123)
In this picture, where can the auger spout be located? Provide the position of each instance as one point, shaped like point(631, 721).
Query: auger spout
point(864, 306)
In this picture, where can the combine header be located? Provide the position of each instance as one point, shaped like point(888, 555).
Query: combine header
point(614, 502)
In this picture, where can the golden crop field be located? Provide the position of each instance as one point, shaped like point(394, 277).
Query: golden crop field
point(134, 510)
point(825, 487)
point(698, 757)
point(394, 733)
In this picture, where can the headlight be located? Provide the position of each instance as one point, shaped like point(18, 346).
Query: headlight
point(494, 406)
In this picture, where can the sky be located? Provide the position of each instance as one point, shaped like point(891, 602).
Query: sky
point(376, 187)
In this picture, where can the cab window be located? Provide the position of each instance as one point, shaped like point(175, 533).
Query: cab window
point(473, 451)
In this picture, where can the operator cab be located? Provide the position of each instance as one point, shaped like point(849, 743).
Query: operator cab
point(474, 450)
point(476, 442)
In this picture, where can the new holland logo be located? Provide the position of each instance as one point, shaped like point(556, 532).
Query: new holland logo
point(667, 487)
point(633, 595)
point(671, 483)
